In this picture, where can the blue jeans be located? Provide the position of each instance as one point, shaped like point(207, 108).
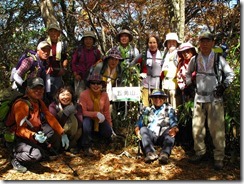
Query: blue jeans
point(88, 127)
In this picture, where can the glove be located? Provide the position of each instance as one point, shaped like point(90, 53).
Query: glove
point(101, 117)
point(219, 90)
point(113, 133)
point(65, 141)
point(40, 137)
point(143, 75)
point(69, 110)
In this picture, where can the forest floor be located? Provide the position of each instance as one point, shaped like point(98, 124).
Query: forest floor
point(112, 164)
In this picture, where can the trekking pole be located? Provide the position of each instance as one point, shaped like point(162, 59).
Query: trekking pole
point(48, 144)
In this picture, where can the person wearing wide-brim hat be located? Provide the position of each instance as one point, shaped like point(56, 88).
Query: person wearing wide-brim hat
point(169, 69)
point(128, 52)
point(172, 36)
point(59, 62)
point(85, 56)
point(160, 129)
point(89, 34)
point(95, 107)
point(185, 52)
point(110, 69)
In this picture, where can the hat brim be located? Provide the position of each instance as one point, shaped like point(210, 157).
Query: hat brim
point(164, 96)
point(113, 56)
point(118, 37)
point(178, 43)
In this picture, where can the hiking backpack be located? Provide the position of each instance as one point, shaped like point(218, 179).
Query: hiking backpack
point(26, 54)
point(7, 99)
point(216, 67)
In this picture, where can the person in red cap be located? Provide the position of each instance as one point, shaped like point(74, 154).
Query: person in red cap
point(160, 129)
point(185, 52)
point(96, 114)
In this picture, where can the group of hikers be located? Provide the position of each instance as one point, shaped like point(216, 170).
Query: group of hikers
point(53, 116)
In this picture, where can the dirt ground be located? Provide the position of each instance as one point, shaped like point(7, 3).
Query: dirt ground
point(120, 164)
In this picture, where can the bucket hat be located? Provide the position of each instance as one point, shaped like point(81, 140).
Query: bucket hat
point(172, 36)
point(95, 77)
point(33, 82)
point(206, 35)
point(54, 26)
point(186, 46)
point(114, 53)
point(124, 31)
point(158, 92)
point(89, 34)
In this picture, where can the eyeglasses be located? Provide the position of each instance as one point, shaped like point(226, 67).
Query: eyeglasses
point(96, 82)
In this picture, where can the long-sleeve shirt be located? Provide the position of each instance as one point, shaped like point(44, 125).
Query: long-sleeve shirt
point(21, 109)
point(206, 80)
point(83, 59)
point(88, 105)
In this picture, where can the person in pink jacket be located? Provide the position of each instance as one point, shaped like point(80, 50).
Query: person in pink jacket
point(96, 115)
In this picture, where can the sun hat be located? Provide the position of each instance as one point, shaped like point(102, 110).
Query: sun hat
point(114, 53)
point(206, 35)
point(158, 92)
point(89, 34)
point(43, 44)
point(186, 46)
point(33, 82)
point(172, 36)
point(54, 26)
point(124, 31)
point(95, 77)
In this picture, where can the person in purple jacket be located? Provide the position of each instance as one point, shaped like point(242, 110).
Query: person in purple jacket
point(85, 56)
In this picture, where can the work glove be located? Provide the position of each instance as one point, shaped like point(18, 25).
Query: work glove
point(101, 117)
point(219, 91)
point(143, 75)
point(68, 110)
point(65, 141)
point(40, 137)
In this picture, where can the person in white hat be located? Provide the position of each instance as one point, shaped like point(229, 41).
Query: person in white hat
point(85, 56)
point(27, 67)
point(185, 52)
point(169, 69)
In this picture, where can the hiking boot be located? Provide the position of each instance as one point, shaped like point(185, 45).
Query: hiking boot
point(74, 150)
point(163, 158)
point(218, 164)
point(150, 157)
point(17, 166)
point(196, 159)
point(89, 153)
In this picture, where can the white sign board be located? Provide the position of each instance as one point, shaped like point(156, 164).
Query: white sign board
point(126, 93)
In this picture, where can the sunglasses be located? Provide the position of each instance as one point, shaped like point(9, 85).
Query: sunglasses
point(96, 82)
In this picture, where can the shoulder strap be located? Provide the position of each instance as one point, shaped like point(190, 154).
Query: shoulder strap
point(216, 66)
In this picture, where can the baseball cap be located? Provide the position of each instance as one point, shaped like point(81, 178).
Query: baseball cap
point(33, 82)
point(43, 44)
